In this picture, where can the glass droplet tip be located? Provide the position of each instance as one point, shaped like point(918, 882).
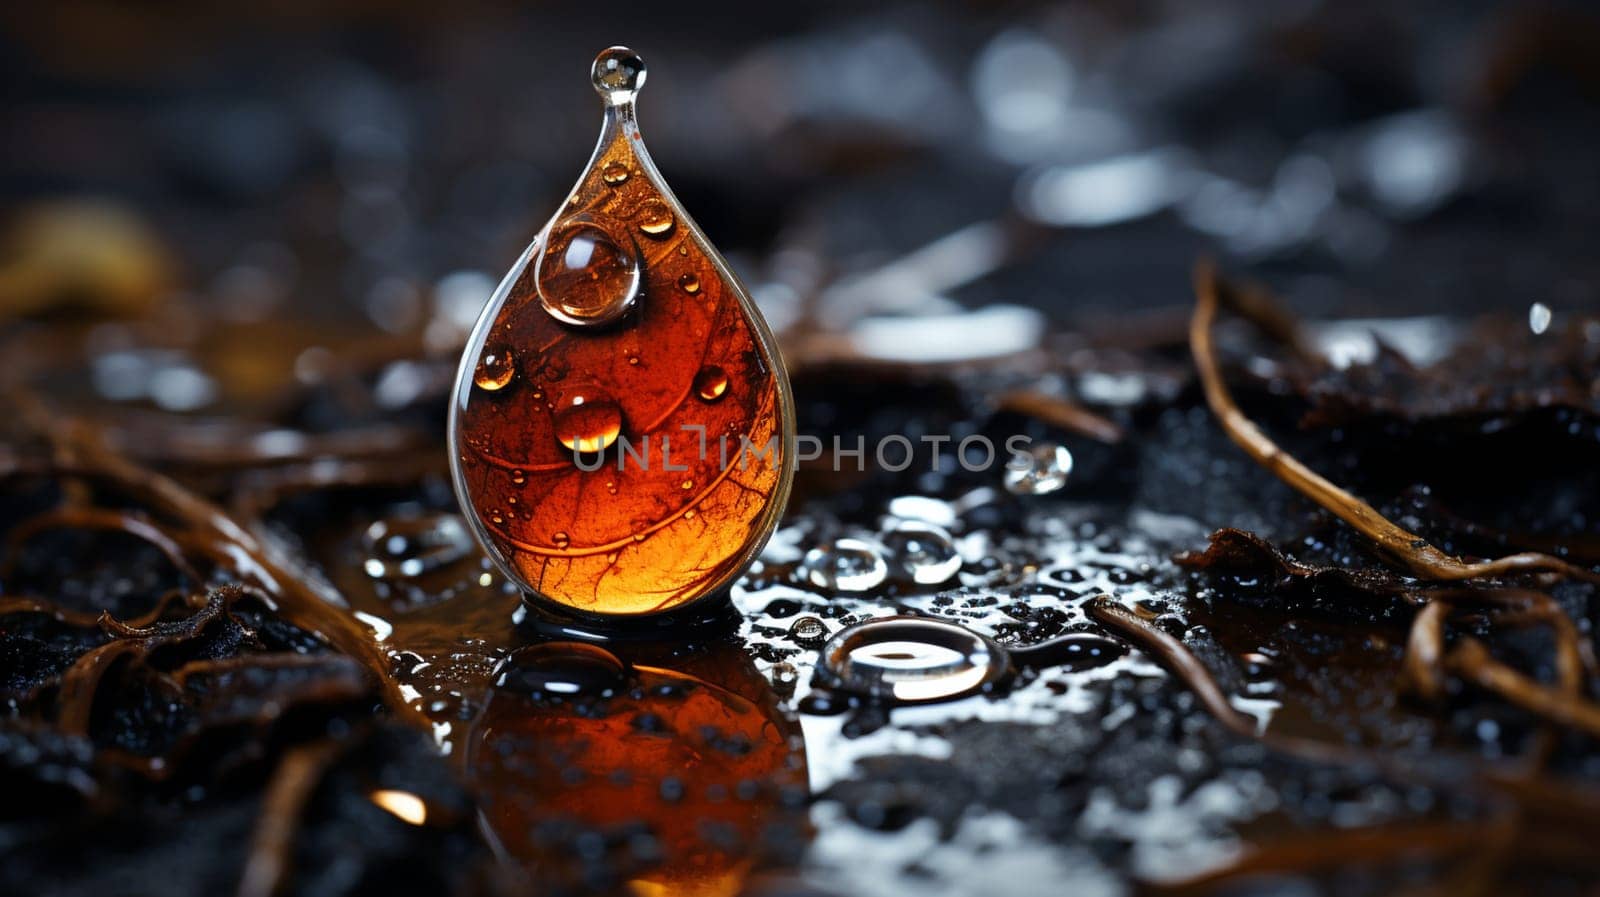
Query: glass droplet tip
point(618, 74)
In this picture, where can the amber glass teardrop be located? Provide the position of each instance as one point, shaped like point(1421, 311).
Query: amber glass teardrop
point(622, 431)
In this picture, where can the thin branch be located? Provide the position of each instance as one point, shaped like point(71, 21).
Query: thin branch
point(1422, 558)
point(1559, 798)
point(1472, 661)
point(271, 856)
point(1059, 412)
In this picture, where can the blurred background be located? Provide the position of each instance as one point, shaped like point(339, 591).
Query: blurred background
point(241, 236)
point(321, 171)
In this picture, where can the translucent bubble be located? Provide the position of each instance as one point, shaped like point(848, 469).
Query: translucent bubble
point(656, 220)
point(586, 274)
point(588, 424)
point(496, 367)
point(1041, 471)
point(923, 553)
point(808, 631)
point(911, 660)
point(618, 74)
point(847, 565)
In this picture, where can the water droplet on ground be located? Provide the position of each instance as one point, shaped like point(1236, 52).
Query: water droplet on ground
point(404, 547)
point(910, 660)
point(808, 631)
point(922, 507)
point(922, 552)
point(1042, 470)
point(846, 565)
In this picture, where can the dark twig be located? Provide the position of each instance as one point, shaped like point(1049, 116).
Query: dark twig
point(1422, 558)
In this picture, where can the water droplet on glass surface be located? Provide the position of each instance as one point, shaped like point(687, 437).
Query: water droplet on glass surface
point(710, 383)
point(495, 368)
point(586, 425)
point(618, 73)
point(1042, 470)
point(614, 173)
point(585, 275)
point(846, 565)
point(655, 219)
point(910, 660)
point(690, 283)
point(404, 547)
point(922, 553)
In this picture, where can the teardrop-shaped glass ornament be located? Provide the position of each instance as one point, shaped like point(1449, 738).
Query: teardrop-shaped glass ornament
point(623, 395)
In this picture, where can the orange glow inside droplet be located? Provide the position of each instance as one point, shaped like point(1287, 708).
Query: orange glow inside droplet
point(626, 329)
point(589, 427)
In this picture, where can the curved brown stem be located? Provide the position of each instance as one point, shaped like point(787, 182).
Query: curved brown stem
point(212, 531)
point(271, 857)
point(101, 519)
point(1472, 661)
point(1422, 670)
point(1422, 558)
point(1061, 413)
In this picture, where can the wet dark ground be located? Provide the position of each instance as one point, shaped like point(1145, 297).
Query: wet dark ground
point(285, 669)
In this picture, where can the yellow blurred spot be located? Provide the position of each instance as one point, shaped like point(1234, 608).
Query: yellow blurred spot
point(693, 881)
point(87, 254)
point(403, 804)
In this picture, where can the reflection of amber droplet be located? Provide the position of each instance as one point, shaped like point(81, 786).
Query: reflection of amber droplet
point(495, 369)
point(588, 426)
point(711, 383)
point(703, 761)
point(620, 362)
